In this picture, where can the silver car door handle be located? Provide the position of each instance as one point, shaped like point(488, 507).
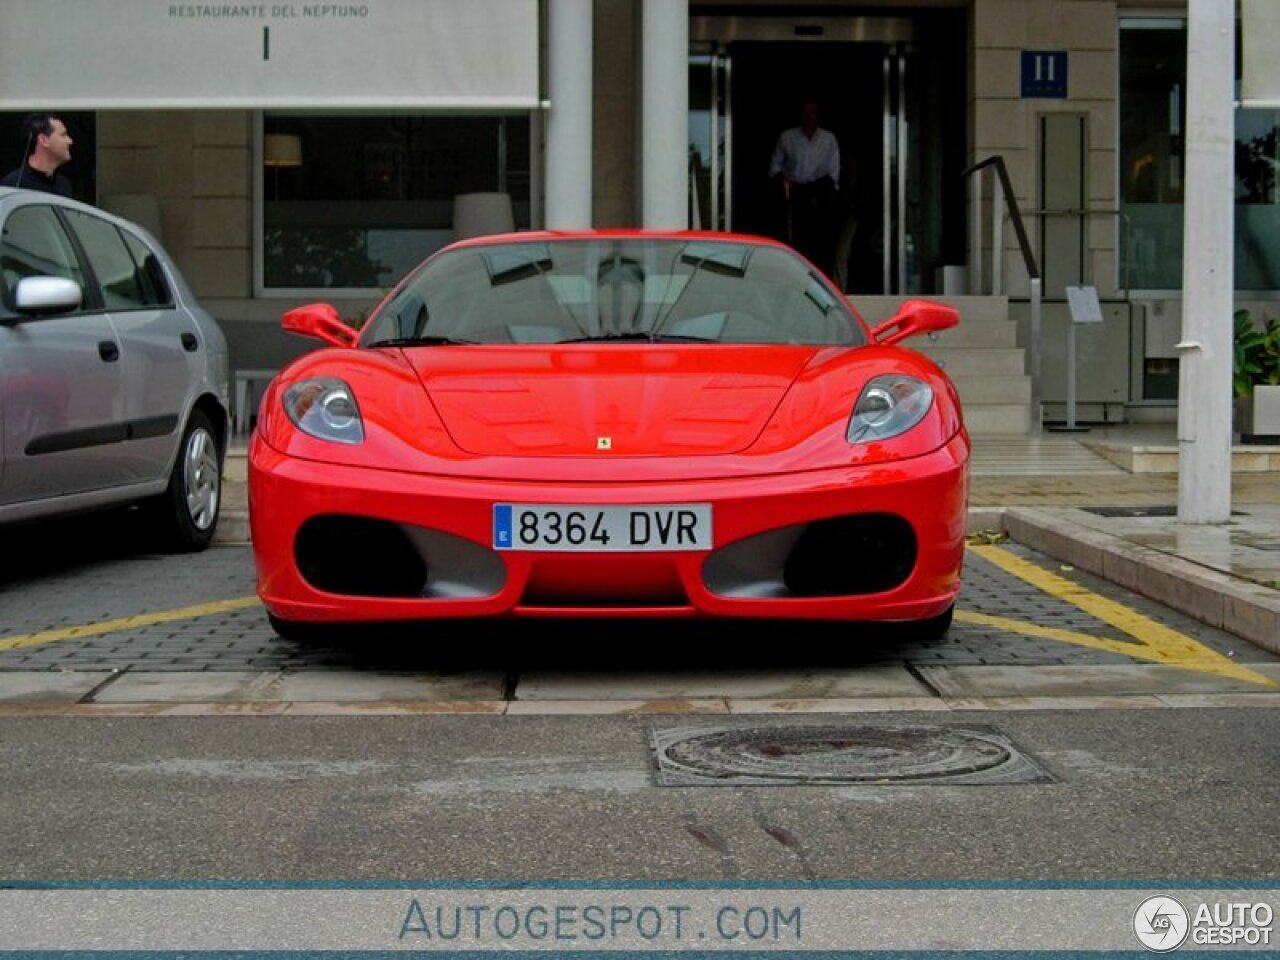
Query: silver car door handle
point(109, 350)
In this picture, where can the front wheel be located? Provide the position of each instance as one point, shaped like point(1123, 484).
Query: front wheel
point(187, 512)
point(935, 628)
point(302, 632)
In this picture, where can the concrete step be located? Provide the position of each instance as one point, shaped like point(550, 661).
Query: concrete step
point(997, 419)
point(972, 333)
point(235, 465)
point(876, 309)
point(980, 390)
point(976, 361)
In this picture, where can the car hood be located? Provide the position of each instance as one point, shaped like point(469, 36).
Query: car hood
point(612, 399)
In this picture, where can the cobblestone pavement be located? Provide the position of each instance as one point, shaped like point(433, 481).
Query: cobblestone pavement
point(49, 583)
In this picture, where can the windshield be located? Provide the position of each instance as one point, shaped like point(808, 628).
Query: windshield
point(662, 290)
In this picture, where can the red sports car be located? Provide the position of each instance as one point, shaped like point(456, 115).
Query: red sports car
point(610, 424)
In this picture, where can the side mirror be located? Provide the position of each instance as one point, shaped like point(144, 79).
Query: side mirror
point(914, 318)
point(43, 295)
point(321, 321)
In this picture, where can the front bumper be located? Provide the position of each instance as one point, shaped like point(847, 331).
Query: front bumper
point(374, 525)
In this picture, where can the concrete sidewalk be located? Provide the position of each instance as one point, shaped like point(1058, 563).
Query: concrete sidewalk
point(1074, 498)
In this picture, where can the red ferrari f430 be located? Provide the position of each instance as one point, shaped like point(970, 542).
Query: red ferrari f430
point(611, 424)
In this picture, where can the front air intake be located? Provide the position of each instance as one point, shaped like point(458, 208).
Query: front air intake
point(359, 556)
point(850, 556)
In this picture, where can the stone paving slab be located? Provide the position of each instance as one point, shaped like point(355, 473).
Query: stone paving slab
point(346, 686)
point(235, 687)
point(1109, 681)
point(874, 681)
point(49, 687)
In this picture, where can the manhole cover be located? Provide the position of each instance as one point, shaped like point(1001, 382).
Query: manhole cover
point(832, 755)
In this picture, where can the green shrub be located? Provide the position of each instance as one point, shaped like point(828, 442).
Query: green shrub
point(1257, 353)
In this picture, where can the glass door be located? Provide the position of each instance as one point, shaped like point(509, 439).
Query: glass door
point(891, 90)
point(901, 215)
point(710, 139)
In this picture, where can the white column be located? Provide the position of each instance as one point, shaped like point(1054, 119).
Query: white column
point(568, 121)
point(664, 159)
point(1204, 386)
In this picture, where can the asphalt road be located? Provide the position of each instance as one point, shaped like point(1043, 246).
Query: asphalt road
point(1143, 795)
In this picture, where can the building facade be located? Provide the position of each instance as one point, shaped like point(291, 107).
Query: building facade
point(291, 152)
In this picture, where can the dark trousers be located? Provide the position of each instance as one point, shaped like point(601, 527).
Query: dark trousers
point(814, 214)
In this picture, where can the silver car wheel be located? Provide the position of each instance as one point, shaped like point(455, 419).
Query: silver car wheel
point(201, 478)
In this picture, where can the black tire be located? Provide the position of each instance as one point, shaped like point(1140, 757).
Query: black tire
point(300, 631)
point(186, 514)
point(935, 628)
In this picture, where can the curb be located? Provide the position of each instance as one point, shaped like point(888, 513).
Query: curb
point(233, 528)
point(1241, 607)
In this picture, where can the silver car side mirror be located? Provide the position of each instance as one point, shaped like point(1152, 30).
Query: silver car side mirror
point(47, 295)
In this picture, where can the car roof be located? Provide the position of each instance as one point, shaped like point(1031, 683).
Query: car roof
point(615, 233)
point(41, 197)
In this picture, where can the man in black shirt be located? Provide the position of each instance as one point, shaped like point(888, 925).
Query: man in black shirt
point(46, 147)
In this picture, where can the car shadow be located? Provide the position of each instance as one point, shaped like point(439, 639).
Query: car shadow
point(615, 646)
point(39, 549)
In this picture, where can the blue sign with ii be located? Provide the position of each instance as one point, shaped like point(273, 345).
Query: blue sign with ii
point(1044, 73)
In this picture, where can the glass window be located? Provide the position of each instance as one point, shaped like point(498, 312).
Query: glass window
point(1153, 84)
point(113, 266)
point(155, 288)
point(357, 201)
point(620, 290)
point(34, 244)
point(1257, 200)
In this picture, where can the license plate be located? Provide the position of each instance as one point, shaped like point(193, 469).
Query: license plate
point(579, 529)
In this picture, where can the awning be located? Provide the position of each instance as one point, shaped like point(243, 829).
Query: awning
point(1260, 33)
point(377, 54)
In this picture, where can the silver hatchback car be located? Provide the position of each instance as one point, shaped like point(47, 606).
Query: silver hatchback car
point(113, 380)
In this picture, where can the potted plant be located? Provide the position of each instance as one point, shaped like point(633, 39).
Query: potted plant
point(1257, 378)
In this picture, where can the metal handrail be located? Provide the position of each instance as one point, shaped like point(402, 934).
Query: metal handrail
point(1010, 200)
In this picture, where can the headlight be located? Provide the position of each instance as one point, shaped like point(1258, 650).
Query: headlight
point(887, 407)
point(325, 408)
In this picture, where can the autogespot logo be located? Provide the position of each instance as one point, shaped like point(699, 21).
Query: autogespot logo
point(1161, 924)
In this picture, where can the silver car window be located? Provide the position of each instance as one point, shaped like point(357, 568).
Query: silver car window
point(34, 243)
point(114, 267)
point(155, 288)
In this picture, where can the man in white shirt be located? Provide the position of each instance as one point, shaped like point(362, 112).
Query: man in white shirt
point(807, 162)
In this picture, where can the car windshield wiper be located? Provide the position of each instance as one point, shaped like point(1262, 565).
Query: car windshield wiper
point(425, 342)
point(641, 338)
point(604, 337)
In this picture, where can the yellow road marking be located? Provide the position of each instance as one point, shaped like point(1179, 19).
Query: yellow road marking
point(1152, 641)
point(125, 623)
